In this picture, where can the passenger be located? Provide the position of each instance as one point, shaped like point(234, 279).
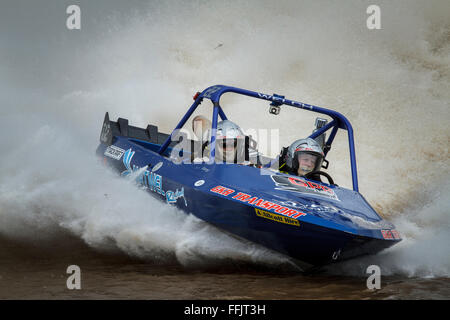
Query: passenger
point(302, 157)
point(230, 143)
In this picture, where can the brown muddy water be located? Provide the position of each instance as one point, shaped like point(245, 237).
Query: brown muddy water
point(144, 61)
point(33, 272)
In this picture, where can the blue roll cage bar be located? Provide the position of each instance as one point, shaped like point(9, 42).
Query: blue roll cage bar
point(215, 92)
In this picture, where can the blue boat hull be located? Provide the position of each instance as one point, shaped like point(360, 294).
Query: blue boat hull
point(312, 223)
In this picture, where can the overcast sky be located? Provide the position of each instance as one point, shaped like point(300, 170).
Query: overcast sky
point(35, 42)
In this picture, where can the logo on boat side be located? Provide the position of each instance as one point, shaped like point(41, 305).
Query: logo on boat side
point(157, 166)
point(390, 234)
point(151, 180)
point(199, 183)
point(127, 162)
point(302, 186)
point(114, 152)
point(276, 217)
point(172, 196)
point(258, 202)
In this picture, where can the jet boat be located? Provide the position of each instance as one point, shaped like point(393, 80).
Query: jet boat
point(312, 222)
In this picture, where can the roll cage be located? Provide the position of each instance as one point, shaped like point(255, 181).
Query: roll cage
point(214, 94)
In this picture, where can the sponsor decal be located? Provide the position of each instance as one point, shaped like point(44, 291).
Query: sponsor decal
point(154, 182)
point(391, 234)
point(114, 152)
point(310, 207)
point(276, 217)
point(300, 185)
point(258, 202)
point(302, 105)
point(396, 234)
point(222, 190)
point(172, 196)
point(208, 93)
point(265, 96)
point(199, 183)
point(282, 100)
point(127, 162)
point(151, 180)
point(157, 166)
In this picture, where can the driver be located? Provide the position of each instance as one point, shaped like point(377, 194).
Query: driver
point(303, 156)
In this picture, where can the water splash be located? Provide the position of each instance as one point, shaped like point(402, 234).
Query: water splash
point(145, 65)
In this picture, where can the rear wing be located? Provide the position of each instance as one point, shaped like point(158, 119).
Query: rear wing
point(214, 94)
point(111, 129)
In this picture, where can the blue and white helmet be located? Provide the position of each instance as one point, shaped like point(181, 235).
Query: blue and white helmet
point(304, 156)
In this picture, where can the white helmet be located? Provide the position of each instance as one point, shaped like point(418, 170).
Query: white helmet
point(304, 156)
point(230, 142)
